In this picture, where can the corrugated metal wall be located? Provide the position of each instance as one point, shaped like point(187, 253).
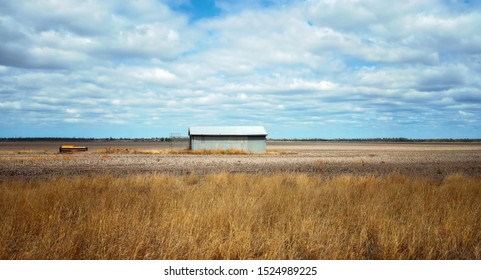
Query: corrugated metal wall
point(253, 144)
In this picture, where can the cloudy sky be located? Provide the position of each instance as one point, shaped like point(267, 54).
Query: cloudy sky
point(320, 68)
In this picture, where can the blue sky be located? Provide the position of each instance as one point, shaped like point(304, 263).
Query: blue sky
point(314, 68)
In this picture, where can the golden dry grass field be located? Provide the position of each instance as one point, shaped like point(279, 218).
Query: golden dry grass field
point(308, 212)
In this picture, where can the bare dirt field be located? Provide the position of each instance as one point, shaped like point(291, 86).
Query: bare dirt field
point(27, 159)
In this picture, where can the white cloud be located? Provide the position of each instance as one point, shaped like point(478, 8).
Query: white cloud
point(155, 75)
point(465, 114)
point(10, 105)
point(130, 63)
point(148, 40)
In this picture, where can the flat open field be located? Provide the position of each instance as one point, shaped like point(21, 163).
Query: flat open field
point(299, 200)
point(41, 158)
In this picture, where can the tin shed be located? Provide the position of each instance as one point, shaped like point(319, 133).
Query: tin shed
point(245, 138)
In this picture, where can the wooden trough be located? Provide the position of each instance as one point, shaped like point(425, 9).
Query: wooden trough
point(72, 149)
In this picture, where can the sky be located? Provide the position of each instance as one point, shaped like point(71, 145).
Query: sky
point(303, 69)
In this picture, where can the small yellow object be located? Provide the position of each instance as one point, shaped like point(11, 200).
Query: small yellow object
point(72, 148)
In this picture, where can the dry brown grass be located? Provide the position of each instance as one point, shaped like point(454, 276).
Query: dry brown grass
point(23, 159)
point(114, 150)
point(26, 152)
point(240, 216)
point(231, 151)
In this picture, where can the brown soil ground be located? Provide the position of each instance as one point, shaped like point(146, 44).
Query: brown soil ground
point(24, 159)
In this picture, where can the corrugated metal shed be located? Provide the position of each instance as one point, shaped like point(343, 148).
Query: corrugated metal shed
point(227, 130)
point(245, 138)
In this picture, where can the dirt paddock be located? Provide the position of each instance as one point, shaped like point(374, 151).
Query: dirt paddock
point(27, 159)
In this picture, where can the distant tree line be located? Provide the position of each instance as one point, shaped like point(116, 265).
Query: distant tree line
point(398, 139)
point(83, 139)
point(168, 139)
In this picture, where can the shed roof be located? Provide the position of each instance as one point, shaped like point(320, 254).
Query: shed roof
point(227, 130)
